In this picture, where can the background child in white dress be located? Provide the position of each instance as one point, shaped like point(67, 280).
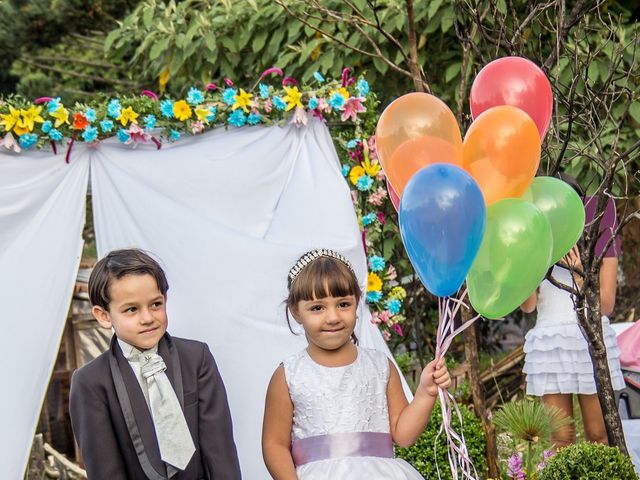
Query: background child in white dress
point(334, 409)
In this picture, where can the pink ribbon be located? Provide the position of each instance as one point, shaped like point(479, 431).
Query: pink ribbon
point(340, 445)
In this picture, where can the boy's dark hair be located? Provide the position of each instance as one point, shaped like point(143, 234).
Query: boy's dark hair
point(117, 264)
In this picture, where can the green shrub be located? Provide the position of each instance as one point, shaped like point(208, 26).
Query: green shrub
point(588, 461)
point(421, 454)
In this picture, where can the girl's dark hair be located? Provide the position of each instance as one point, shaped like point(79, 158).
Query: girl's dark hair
point(116, 265)
point(323, 277)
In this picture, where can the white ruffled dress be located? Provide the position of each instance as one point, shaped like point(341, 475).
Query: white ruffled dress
point(343, 400)
point(556, 353)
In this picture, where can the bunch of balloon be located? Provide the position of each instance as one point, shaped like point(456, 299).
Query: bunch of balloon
point(442, 217)
point(531, 223)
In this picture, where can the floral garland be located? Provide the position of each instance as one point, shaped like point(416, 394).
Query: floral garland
point(146, 119)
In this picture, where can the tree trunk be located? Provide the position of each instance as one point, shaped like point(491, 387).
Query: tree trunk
point(477, 393)
point(416, 75)
point(588, 310)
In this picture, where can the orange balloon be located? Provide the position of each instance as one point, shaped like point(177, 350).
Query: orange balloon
point(417, 153)
point(501, 151)
point(412, 116)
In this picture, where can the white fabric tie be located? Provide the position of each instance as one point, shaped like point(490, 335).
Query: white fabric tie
point(174, 438)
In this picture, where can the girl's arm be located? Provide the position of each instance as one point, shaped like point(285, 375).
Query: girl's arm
point(407, 420)
point(276, 429)
point(608, 284)
point(530, 303)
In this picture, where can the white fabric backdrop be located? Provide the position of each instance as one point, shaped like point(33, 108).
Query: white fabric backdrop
point(42, 211)
point(228, 213)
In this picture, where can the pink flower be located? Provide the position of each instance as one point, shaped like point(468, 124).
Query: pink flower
point(210, 86)
point(373, 152)
point(137, 135)
point(197, 127)
point(382, 218)
point(351, 108)
point(375, 318)
point(289, 81)
point(377, 197)
point(299, 117)
point(268, 106)
point(271, 70)
point(323, 106)
point(391, 273)
point(397, 328)
point(386, 335)
point(228, 81)
point(380, 176)
point(385, 317)
point(150, 94)
point(354, 196)
point(10, 143)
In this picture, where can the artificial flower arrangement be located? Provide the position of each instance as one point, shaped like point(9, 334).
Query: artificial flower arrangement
point(147, 119)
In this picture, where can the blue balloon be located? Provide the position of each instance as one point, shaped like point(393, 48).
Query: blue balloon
point(442, 221)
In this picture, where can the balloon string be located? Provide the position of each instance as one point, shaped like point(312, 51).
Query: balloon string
point(457, 452)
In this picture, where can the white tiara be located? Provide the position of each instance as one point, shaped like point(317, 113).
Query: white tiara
point(309, 257)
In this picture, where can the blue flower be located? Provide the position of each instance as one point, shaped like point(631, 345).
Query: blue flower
point(336, 101)
point(364, 183)
point(376, 263)
point(46, 126)
point(150, 121)
point(90, 134)
point(174, 135)
point(368, 219)
point(279, 103)
point(53, 105)
point(394, 306)
point(166, 108)
point(374, 296)
point(123, 135)
point(254, 119)
point(318, 76)
point(106, 126)
point(345, 170)
point(353, 143)
point(213, 113)
point(113, 109)
point(194, 96)
point(28, 140)
point(237, 118)
point(227, 96)
point(363, 87)
point(264, 90)
point(55, 135)
point(90, 114)
point(313, 103)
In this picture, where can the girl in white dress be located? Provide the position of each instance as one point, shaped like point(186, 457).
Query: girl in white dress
point(334, 410)
point(557, 360)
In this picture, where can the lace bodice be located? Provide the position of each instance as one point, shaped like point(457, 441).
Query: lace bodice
point(328, 400)
point(555, 306)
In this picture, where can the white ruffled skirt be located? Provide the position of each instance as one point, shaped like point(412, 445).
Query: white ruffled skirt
point(349, 468)
point(557, 359)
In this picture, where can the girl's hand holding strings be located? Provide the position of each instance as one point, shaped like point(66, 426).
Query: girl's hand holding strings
point(434, 375)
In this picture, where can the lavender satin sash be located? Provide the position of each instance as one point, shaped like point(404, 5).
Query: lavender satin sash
point(337, 445)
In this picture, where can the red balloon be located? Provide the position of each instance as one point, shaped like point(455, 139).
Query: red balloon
point(513, 81)
point(393, 196)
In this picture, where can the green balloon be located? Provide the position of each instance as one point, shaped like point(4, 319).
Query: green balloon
point(513, 258)
point(564, 210)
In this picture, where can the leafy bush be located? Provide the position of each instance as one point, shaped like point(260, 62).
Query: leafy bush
point(588, 461)
point(421, 454)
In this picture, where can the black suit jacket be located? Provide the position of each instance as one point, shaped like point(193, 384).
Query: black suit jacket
point(113, 424)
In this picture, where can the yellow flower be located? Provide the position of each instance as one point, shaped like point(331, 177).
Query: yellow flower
point(356, 173)
point(182, 110)
point(10, 119)
point(128, 115)
point(243, 101)
point(30, 116)
point(398, 292)
point(293, 97)
point(202, 114)
point(373, 282)
point(342, 91)
point(371, 169)
point(61, 115)
point(164, 79)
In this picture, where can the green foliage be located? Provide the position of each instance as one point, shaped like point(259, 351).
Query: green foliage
point(421, 454)
point(588, 461)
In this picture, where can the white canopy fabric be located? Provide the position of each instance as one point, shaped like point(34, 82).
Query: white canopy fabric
point(42, 212)
point(227, 213)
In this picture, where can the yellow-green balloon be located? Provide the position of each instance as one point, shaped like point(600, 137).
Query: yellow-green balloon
point(513, 258)
point(563, 208)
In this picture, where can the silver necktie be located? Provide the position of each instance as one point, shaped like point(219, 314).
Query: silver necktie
point(174, 438)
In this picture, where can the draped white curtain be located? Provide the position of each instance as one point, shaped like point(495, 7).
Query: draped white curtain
point(42, 211)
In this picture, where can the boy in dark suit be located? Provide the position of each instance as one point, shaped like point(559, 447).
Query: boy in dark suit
point(152, 406)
